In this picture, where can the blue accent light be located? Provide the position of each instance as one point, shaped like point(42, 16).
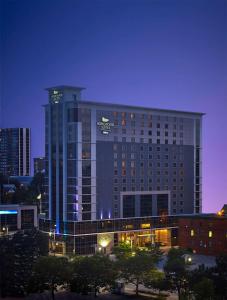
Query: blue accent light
point(8, 212)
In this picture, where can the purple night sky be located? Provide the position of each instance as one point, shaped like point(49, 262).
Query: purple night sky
point(158, 53)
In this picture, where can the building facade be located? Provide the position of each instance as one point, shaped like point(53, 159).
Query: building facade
point(17, 217)
point(110, 161)
point(15, 151)
point(204, 234)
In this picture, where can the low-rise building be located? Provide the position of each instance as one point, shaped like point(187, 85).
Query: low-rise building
point(16, 217)
point(204, 234)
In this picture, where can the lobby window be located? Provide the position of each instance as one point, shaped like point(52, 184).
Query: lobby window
point(210, 233)
point(192, 232)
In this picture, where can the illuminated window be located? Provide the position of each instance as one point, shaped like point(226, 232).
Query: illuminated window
point(129, 226)
point(192, 232)
point(210, 234)
point(123, 122)
point(145, 226)
point(132, 116)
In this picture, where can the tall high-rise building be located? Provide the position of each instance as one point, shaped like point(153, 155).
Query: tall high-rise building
point(109, 161)
point(15, 151)
point(39, 164)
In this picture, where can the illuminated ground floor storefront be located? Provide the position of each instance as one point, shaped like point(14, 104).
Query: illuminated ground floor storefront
point(89, 237)
point(104, 242)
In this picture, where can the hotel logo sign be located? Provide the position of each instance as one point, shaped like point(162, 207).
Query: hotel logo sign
point(105, 125)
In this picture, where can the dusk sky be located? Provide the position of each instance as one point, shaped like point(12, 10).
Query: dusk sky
point(157, 53)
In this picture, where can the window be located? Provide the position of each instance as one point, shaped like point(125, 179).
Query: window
point(158, 125)
point(210, 234)
point(192, 233)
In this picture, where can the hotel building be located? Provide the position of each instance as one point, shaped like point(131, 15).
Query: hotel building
point(107, 162)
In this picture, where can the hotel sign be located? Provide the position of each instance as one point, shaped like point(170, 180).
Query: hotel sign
point(105, 125)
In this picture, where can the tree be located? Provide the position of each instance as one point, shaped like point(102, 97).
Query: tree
point(219, 276)
point(176, 272)
point(204, 289)
point(92, 273)
point(122, 250)
point(137, 269)
point(49, 272)
point(18, 253)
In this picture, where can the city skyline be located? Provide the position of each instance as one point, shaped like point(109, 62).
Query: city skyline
point(149, 53)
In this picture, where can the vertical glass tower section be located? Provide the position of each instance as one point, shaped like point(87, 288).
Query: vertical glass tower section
point(68, 153)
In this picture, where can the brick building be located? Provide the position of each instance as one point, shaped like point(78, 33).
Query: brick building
point(204, 234)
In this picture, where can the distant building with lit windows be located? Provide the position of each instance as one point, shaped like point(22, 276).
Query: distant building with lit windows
point(204, 233)
point(108, 161)
point(39, 164)
point(15, 151)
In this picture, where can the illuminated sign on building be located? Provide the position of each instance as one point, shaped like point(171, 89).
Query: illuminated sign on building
point(105, 125)
point(8, 212)
point(56, 96)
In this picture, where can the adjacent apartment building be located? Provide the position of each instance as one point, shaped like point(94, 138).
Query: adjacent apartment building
point(108, 161)
point(15, 151)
